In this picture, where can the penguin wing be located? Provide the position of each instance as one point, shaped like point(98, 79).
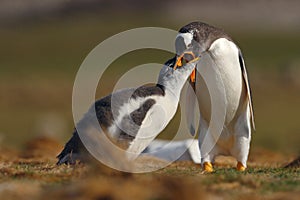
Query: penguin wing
point(190, 107)
point(246, 81)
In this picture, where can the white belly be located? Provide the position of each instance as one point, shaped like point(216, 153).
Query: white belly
point(223, 57)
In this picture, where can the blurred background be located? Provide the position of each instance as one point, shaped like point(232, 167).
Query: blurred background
point(43, 44)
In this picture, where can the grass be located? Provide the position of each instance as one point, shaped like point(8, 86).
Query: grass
point(33, 176)
point(230, 183)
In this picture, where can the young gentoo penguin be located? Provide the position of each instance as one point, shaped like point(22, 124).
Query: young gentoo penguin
point(218, 51)
point(136, 115)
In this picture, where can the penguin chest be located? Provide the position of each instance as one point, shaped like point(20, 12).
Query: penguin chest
point(219, 71)
point(150, 115)
point(160, 114)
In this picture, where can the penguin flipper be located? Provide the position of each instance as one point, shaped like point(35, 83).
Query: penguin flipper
point(247, 83)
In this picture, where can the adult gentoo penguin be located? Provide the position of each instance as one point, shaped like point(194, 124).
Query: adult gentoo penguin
point(134, 116)
point(217, 50)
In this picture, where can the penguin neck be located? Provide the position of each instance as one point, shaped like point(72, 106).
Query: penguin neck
point(174, 80)
point(173, 86)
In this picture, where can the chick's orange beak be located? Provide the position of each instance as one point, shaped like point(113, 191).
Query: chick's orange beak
point(179, 64)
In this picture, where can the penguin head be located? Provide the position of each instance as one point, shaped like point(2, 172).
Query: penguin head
point(188, 48)
point(170, 73)
point(188, 43)
point(193, 40)
point(184, 43)
point(196, 38)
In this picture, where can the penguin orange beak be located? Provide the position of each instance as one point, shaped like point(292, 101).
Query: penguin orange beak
point(179, 63)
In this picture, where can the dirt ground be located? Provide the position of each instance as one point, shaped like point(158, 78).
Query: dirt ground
point(33, 174)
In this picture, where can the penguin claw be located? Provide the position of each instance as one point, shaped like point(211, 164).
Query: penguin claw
point(207, 167)
point(240, 167)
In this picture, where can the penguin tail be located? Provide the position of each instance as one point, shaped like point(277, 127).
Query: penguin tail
point(71, 152)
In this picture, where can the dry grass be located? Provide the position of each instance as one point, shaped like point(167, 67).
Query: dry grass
point(32, 174)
